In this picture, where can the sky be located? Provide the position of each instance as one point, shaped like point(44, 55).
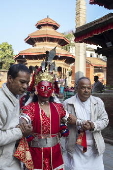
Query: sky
point(18, 18)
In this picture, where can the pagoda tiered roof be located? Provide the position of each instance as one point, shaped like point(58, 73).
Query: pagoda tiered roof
point(46, 33)
point(45, 39)
point(39, 52)
point(47, 21)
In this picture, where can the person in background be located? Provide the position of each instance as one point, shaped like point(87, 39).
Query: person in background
point(46, 118)
point(97, 86)
point(87, 117)
point(18, 77)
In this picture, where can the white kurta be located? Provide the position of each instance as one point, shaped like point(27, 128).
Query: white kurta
point(90, 160)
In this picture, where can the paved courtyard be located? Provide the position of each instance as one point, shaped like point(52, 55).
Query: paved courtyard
point(108, 157)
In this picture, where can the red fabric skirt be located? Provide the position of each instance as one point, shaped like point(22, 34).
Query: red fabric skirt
point(47, 158)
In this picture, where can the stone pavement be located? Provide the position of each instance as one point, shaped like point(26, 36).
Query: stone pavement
point(108, 156)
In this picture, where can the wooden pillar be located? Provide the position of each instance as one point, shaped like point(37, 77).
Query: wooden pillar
point(109, 71)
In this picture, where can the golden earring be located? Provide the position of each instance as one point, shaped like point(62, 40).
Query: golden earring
point(36, 92)
point(53, 93)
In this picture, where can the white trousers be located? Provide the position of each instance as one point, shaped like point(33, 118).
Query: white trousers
point(89, 160)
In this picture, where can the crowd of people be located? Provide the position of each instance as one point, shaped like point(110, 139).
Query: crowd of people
point(41, 133)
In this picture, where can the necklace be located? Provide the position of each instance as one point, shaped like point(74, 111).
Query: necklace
point(45, 107)
point(42, 103)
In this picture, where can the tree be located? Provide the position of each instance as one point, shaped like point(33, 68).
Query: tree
point(6, 55)
point(70, 37)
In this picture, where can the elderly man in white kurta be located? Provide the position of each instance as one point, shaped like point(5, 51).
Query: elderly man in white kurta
point(87, 117)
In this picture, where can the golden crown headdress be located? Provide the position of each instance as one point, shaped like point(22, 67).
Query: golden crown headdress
point(45, 76)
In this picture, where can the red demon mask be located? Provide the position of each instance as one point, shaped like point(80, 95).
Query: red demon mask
point(44, 88)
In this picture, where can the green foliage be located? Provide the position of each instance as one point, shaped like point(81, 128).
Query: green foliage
point(70, 37)
point(6, 55)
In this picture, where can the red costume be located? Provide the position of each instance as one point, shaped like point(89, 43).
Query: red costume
point(44, 144)
point(46, 158)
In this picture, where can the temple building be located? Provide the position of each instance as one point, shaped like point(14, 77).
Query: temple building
point(99, 32)
point(47, 39)
point(43, 41)
point(94, 67)
point(95, 63)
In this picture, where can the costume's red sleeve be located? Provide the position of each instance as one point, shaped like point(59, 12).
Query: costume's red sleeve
point(29, 110)
point(61, 110)
point(63, 126)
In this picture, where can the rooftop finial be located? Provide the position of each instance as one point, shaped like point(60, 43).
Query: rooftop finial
point(47, 16)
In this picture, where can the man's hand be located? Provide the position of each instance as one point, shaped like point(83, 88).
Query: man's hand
point(88, 125)
point(92, 126)
point(26, 129)
point(71, 119)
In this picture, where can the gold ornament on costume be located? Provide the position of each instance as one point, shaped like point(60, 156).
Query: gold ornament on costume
point(45, 76)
